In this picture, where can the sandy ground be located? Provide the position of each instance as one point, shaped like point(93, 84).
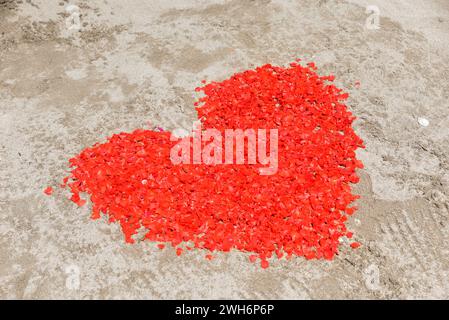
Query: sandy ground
point(63, 89)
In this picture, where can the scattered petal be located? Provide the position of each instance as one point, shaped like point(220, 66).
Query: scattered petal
point(301, 210)
point(264, 264)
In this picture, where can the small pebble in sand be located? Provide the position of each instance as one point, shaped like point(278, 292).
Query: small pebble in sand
point(423, 122)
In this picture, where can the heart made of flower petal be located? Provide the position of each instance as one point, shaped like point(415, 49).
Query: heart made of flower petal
point(300, 210)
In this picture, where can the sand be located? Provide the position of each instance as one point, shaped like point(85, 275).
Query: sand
point(65, 85)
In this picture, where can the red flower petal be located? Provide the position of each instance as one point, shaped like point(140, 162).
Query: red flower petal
point(48, 191)
point(252, 258)
point(264, 264)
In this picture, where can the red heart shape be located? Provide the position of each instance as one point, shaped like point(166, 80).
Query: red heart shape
point(300, 210)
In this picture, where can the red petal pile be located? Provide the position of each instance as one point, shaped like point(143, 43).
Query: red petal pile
point(301, 210)
point(48, 191)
